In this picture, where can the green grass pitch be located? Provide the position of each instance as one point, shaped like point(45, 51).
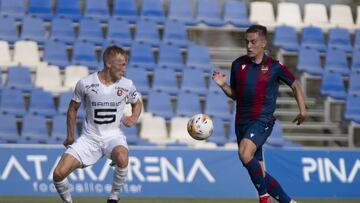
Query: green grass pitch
point(157, 200)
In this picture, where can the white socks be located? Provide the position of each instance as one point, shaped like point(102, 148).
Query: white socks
point(63, 188)
point(118, 180)
point(293, 201)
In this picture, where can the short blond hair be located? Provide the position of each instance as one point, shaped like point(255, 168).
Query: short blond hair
point(112, 51)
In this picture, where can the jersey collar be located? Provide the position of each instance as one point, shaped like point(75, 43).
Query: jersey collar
point(264, 58)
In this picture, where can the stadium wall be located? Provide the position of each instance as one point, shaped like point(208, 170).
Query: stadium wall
point(184, 172)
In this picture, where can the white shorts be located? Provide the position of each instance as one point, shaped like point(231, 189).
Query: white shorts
point(88, 150)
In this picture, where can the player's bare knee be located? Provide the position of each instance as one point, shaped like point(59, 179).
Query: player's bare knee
point(122, 160)
point(58, 175)
point(120, 156)
point(245, 156)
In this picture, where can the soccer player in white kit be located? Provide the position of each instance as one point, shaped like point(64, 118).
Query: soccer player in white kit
point(104, 95)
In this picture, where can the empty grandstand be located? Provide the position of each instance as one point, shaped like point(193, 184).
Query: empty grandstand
point(46, 46)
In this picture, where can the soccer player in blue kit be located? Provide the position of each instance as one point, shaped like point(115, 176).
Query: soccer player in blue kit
point(254, 85)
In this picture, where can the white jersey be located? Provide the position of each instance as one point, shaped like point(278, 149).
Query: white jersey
point(104, 105)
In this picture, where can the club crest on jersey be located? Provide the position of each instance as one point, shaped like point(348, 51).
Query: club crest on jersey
point(119, 92)
point(264, 68)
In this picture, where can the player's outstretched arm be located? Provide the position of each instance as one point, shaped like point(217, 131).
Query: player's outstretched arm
point(299, 96)
point(136, 111)
point(220, 80)
point(70, 122)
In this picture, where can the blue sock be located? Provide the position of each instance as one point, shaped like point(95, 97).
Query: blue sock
point(275, 189)
point(256, 174)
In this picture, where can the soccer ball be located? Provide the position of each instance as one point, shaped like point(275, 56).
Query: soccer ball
point(200, 126)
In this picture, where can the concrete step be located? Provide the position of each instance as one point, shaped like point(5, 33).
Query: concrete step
point(316, 137)
point(295, 112)
point(224, 56)
point(283, 100)
point(285, 89)
point(311, 126)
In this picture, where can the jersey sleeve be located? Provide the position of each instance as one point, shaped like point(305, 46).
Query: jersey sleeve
point(285, 75)
point(233, 76)
point(79, 92)
point(134, 95)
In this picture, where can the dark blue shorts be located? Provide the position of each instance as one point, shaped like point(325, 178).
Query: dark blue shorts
point(258, 132)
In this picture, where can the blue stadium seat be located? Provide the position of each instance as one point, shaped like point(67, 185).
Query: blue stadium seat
point(340, 38)
point(64, 100)
point(198, 56)
point(208, 12)
point(130, 132)
point(285, 37)
point(69, 9)
point(141, 56)
point(12, 102)
point(132, 136)
point(33, 29)
point(170, 57)
point(85, 54)
point(90, 31)
point(216, 105)
point(352, 108)
point(20, 78)
point(188, 104)
point(176, 144)
point(8, 129)
point(175, 33)
point(159, 104)
point(147, 32)
point(55, 53)
point(219, 135)
point(181, 10)
point(313, 37)
point(235, 13)
point(152, 10)
point(164, 79)
point(140, 78)
point(332, 85)
point(62, 30)
point(41, 103)
point(126, 10)
point(232, 133)
point(119, 32)
point(355, 64)
point(193, 80)
point(336, 61)
point(309, 61)
point(1, 82)
point(354, 83)
point(59, 130)
point(8, 29)
point(13, 8)
point(97, 10)
point(213, 87)
point(34, 129)
point(357, 39)
point(41, 9)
